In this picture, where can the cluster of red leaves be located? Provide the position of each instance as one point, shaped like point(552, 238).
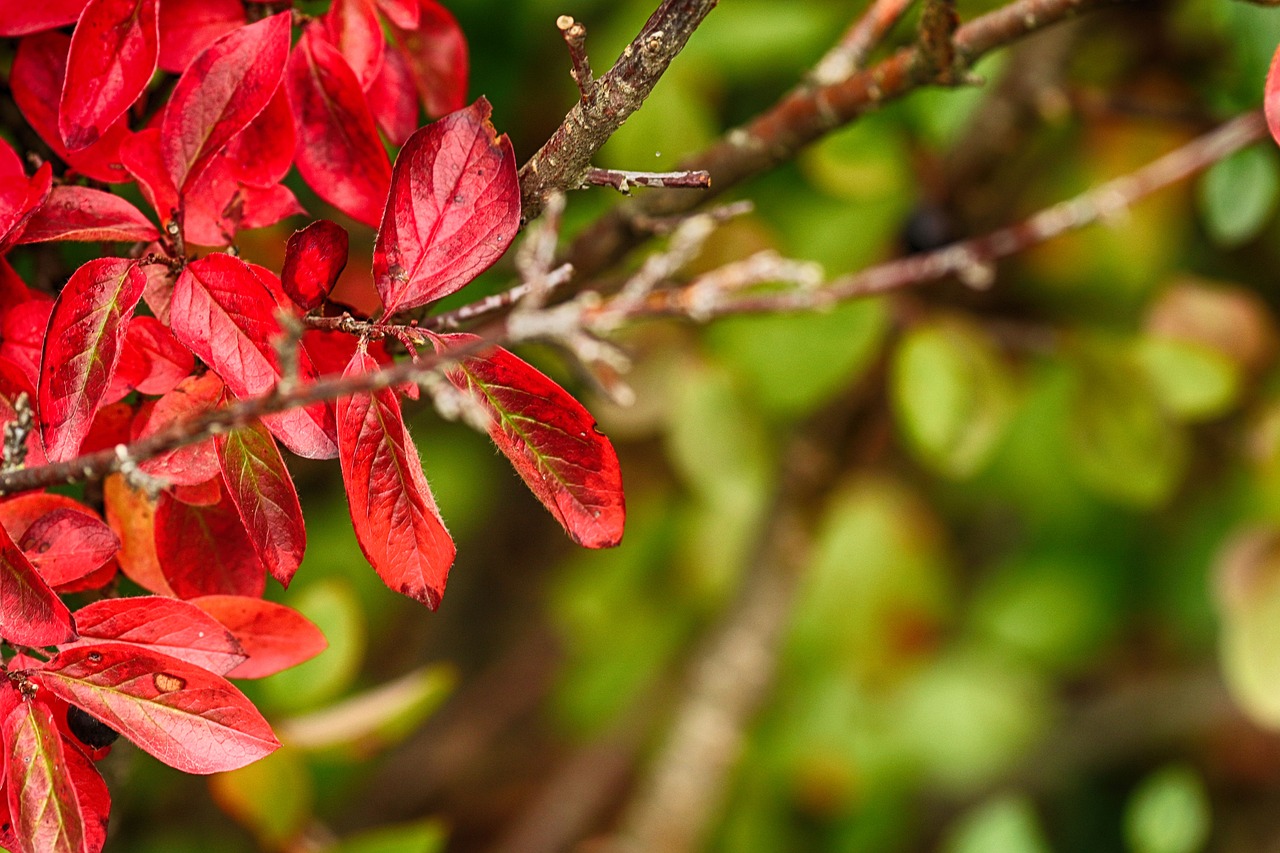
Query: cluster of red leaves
point(128, 348)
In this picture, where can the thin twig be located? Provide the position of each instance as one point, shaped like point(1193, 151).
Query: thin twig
point(938, 25)
point(623, 181)
point(851, 52)
point(575, 38)
point(972, 259)
point(562, 162)
point(804, 115)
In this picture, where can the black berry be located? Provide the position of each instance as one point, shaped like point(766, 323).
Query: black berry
point(91, 731)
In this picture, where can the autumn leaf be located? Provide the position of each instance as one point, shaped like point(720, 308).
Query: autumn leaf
point(205, 549)
point(42, 799)
point(223, 89)
point(30, 613)
point(273, 637)
point(225, 313)
point(551, 440)
point(453, 210)
point(87, 215)
point(436, 52)
point(67, 544)
point(184, 715)
point(394, 515)
point(259, 485)
point(113, 55)
point(39, 68)
point(167, 626)
point(314, 257)
point(82, 346)
point(339, 153)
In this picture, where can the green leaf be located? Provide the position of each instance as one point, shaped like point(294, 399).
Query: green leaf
point(952, 395)
point(331, 604)
point(1238, 195)
point(1169, 813)
point(1247, 581)
point(1006, 824)
point(272, 798)
point(426, 836)
point(794, 363)
point(1123, 443)
point(375, 719)
point(1193, 381)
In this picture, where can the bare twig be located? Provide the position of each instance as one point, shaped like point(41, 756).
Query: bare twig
point(575, 38)
point(972, 259)
point(623, 181)
point(804, 115)
point(562, 162)
point(938, 25)
point(851, 52)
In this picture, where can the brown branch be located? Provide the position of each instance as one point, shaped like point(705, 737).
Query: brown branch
point(562, 162)
point(938, 24)
point(804, 115)
point(971, 259)
point(850, 53)
point(623, 181)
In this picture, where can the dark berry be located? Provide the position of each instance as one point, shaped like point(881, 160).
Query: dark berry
point(927, 228)
point(91, 731)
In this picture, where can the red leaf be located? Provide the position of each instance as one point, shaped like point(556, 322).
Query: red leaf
point(262, 491)
point(218, 206)
point(453, 210)
point(223, 89)
point(185, 716)
point(91, 793)
point(167, 626)
point(393, 99)
point(140, 154)
point(194, 463)
point(313, 259)
point(82, 347)
point(551, 440)
point(189, 26)
point(436, 51)
point(19, 200)
point(65, 545)
point(42, 799)
point(395, 517)
point(131, 514)
point(156, 361)
point(36, 80)
point(274, 637)
point(204, 550)
point(30, 613)
point(402, 13)
point(22, 329)
point(352, 27)
point(113, 55)
point(21, 511)
point(225, 313)
point(87, 215)
point(20, 17)
point(260, 156)
point(339, 153)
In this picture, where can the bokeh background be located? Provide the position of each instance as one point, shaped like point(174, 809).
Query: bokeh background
point(1038, 606)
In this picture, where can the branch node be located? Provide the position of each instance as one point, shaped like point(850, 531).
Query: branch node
point(135, 477)
point(575, 38)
